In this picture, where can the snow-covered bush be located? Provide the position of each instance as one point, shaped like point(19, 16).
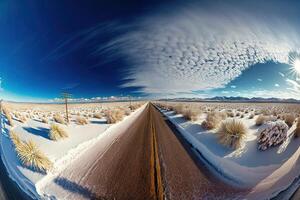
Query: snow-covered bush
point(56, 132)
point(272, 134)
point(231, 133)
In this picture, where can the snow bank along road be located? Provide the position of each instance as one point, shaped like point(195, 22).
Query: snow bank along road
point(8, 189)
point(146, 161)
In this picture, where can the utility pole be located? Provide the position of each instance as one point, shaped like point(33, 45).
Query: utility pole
point(66, 96)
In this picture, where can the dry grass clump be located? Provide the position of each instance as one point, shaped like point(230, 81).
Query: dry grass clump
point(81, 121)
point(114, 116)
point(230, 114)
point(59, 119)
point(251, 116)
point(297, 130)
point(134, 106)
point(98, 115)
point(213, 119)
point(261, 119)
point(231, 133)
point(45, 120)
point(56, 132)
point(22, 119)
point(9, 120)
point(190, 114)
point(289, 119)
point(30, 155)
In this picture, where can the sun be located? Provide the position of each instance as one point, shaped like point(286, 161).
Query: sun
point(296, 66)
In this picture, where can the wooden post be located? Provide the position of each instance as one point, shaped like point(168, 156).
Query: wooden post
point(66, 95)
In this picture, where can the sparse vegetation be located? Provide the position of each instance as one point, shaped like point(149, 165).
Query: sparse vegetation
point(231, 133)
point(261, 119)
point(56, 132)
point(98, 115)
point(289, 119)
point(213, 120)
point(30, 155)
point(114, 116)
point(59, 119)
point(81, 121)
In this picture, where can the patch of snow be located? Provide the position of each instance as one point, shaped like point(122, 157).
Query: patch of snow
point(266, 172)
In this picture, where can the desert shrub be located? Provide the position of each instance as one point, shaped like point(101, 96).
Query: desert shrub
point(231, 133)
point(289, 119)
point(114, 116)
point(190, 114)
point(297, 130)
point(22, 119)
point(45, 120)
point(251, 116)
point(242, 116)
point(134, 106)
point(213, 119)
point(273, 134)
point(30, 155)
point(237, 114)
point(56, 132)
point(81, 121)
point(261, 119)
point(9, 120)
point(230, 114)
point(59, 119)
point(98, 115)
point(14, 138)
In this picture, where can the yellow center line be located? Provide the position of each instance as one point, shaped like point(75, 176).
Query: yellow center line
point(156, 181)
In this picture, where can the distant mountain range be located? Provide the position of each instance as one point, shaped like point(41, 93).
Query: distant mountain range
point(236, 99)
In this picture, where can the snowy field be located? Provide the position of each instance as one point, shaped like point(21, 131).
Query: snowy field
point(28, 123)
point(267, 172)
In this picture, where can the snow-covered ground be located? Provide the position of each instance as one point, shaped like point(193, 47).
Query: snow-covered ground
point(265, 172)
point(61, 153)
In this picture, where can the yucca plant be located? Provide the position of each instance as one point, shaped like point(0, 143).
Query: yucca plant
point(57, 132)
point(29, 154)
point(231, 133)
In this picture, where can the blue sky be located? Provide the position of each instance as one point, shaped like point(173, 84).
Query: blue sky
point(148, 48)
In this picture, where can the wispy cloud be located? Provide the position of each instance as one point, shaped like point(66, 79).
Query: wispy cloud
point(1, 88)
point(259, 79)
point(276, 85)
point(281, 74)
point(233, 86)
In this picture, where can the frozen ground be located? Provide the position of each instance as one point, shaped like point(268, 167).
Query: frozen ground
point(62, 153)
point(265, 172)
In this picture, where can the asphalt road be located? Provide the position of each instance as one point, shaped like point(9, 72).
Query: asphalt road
point(147, 161)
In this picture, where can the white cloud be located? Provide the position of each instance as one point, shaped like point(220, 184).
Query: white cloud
point(276, 85)
point(259, 79)
point(233, 86)
point(196, 50)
